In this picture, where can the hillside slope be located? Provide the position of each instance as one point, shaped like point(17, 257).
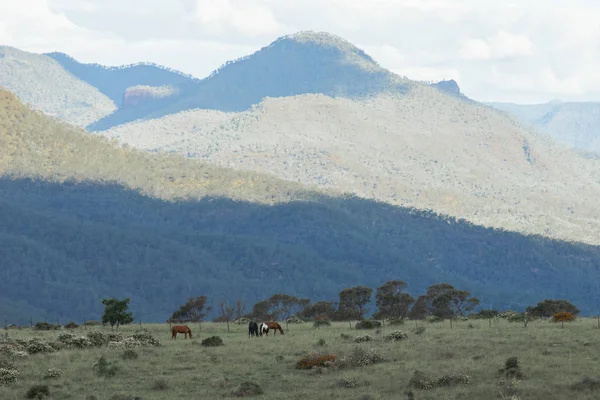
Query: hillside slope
point(81, 219)
point(424, 149)
point(42, 83)
point(575, 124)
point(114, 81)
point(306, 62)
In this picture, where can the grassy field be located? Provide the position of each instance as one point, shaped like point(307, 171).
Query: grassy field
point(551, 359)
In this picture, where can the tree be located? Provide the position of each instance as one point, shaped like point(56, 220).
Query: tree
point(279, 306)
point(419, 309)
point(549, 307)
point(226, 313)
point(320, 310)
point(115, 312)
point(193, 311)
point(353, 303)
point(239, 309)
point(445, 301)
point(391, 301)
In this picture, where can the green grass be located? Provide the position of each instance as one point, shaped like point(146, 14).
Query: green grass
point(551, 358)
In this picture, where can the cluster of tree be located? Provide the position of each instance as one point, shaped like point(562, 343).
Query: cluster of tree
point(441, 300)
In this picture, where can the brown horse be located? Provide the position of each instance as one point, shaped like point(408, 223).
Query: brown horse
point(180, 329)
point(274, 326)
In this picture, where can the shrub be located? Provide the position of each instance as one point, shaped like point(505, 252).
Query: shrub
point(368, 324)
point(37, 392)
point(160, 384)
point(35, 346)
point(8, 376)
point(97, 338)
point(359, 357)
point(395, 336)
point(66, 337)
point(104, 368)
point(363, 338)
point(315, 360)
point(321, 342)
point(91, 323)
point(511, 368)
point(44, 326)
point(294, 319)
point(563, 317)
point(345, 336)
point(71, 325)
point(348, 382)
point(321, 322)
point(420, 381)
point(129, 355)
point(212, 341)
point(53, 373)
point(6, 363)
point(145, 338)
point(247, 389)
point(586, 383)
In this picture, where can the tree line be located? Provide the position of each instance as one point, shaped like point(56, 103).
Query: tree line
point(392, 302)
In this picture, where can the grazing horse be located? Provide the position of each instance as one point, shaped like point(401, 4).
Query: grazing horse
point(252, 329)
point(180, 329)
point(263, 328)
point(274, 326)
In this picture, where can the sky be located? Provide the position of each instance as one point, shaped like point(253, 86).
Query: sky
point(526, 51)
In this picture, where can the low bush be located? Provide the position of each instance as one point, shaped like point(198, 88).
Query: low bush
point(247, 389)
point(395, 336)
point(105, 368)
point(315, 360)
point(8, 376)
point(37, 392)
point(368, 324)
point(363, 338)
point(212, 341)
point(53, 373)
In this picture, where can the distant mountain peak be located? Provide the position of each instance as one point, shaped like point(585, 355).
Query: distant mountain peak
point(352, 54)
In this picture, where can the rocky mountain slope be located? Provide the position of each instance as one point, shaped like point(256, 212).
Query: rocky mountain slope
point(41, 82)
point(421, 149)
point(82, 219)
point(575, 124)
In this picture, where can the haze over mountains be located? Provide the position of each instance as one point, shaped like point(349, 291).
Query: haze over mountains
point(575, 124)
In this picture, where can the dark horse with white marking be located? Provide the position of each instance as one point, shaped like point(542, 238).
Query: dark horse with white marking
point(253, 329)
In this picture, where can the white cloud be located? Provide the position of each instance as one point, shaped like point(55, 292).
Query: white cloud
point(499, 46)
point(532, 50)
point(246, 18)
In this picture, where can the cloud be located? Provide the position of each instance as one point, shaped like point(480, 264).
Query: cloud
point(247, 18)
point(506, 50)
point(501, 45)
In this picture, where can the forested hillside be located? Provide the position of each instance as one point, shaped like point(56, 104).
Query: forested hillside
point(81, 219)
point(43, 84)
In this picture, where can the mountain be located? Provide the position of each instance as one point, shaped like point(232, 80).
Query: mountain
point(114, 81)
point(575, 124)
point(306, 62)
point(42, 83)
point(82, 219)
point(424, 149)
